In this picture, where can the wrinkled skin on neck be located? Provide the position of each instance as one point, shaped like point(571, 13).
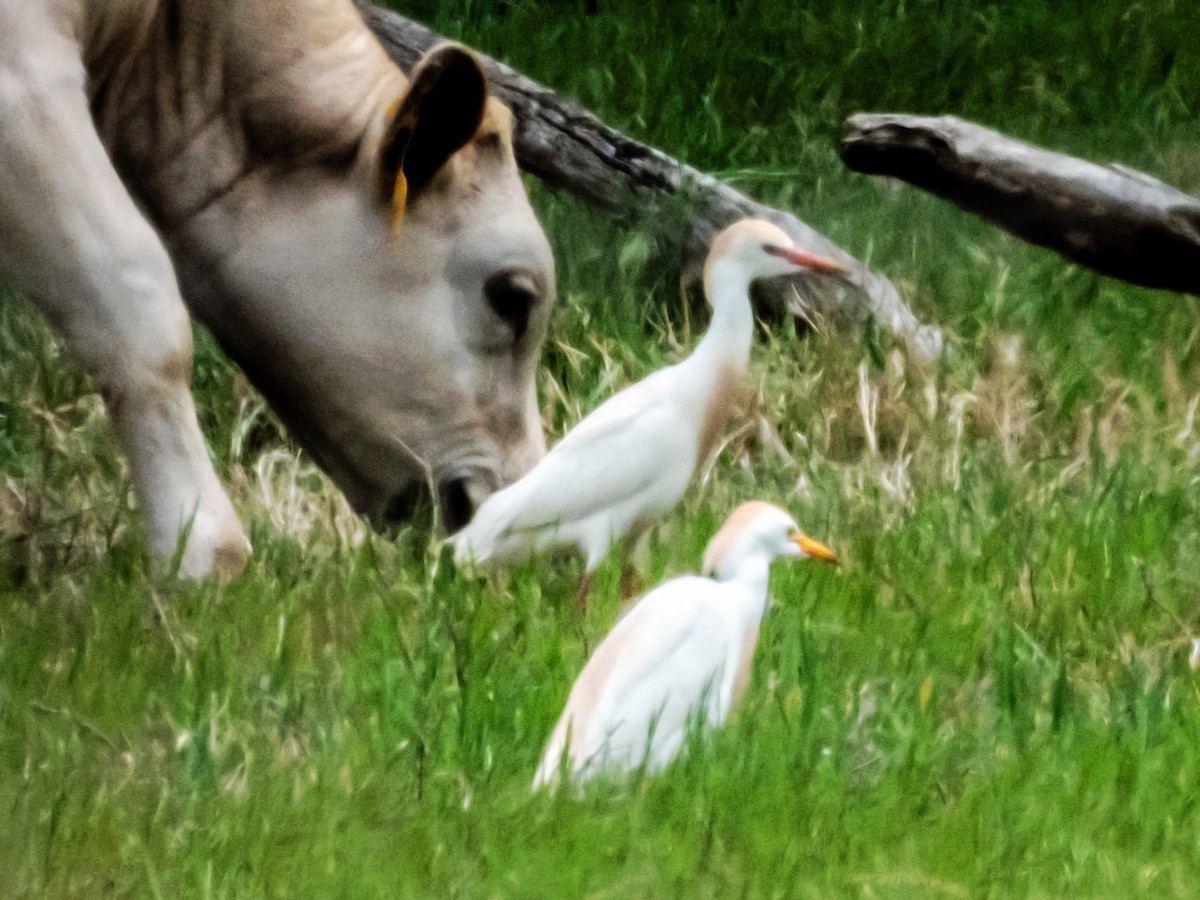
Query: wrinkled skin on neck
point(399, 346)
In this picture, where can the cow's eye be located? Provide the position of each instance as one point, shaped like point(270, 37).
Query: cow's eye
point(512, 295)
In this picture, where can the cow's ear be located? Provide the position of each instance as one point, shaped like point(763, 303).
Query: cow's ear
point(440, 112)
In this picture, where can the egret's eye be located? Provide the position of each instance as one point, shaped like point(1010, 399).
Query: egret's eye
point(512, 296)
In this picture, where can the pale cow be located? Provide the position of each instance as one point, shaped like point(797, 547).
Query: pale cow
point(360, 243)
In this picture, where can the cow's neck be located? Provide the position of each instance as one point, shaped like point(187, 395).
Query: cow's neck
point(194, 99)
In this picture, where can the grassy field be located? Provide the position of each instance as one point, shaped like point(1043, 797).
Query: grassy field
point(994, 696)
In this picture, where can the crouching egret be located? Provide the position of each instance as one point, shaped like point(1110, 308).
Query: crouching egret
point(683, 649)
point(634, 456)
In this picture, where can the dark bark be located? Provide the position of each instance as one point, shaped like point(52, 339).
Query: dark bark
point(567, 147)
point(1110, 218)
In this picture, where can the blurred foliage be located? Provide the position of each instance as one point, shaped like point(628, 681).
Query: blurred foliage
point(996, 695)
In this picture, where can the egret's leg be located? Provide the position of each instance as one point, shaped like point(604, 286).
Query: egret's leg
point(633, 546)
point(631, 584)
point(584, 587)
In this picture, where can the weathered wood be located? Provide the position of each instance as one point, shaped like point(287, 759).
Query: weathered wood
point(1111, 218)
point(569, 148)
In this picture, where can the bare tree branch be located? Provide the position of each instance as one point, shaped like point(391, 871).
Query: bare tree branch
point(1111, 218)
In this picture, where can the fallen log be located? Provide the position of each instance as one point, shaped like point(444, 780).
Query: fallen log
point(1112, 219)
point(569, 148)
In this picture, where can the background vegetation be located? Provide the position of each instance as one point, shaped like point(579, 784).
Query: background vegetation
point(994, 696)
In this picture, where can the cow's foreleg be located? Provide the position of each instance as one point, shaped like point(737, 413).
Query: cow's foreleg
point(76, 242)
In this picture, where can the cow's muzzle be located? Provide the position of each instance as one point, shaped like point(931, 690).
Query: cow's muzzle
point(457, 499)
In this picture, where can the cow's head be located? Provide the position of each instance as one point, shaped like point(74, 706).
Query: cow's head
point(399, 304)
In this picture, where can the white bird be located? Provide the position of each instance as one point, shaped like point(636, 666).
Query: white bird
point(683, 649)
point(634, 455)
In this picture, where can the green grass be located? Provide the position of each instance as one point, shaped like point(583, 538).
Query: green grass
point(991, 697)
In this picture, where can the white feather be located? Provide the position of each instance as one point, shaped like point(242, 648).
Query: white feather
point(675, 656)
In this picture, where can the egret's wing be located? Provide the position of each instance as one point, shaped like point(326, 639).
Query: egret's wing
point(667, 677)
point(623, 407)
point(613, 454)
point(653, 667)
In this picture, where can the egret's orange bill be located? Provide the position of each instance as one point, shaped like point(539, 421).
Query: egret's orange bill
point(822, 264)
point(813, 549)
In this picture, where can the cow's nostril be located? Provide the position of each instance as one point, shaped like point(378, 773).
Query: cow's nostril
point(402, 506)
point(456, 504)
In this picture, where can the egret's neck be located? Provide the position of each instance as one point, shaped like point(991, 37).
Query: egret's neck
point(752, 572)
point(727, 286)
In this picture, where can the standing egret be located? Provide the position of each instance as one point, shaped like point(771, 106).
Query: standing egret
point(683, 649)
point(633, 457)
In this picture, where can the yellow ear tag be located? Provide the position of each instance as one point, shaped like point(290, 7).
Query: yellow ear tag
point(399, 200)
